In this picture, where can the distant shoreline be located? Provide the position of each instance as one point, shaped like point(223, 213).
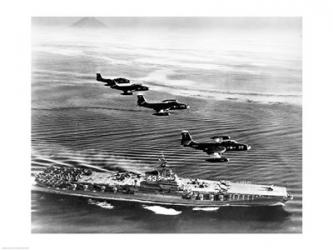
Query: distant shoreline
point(227, 99)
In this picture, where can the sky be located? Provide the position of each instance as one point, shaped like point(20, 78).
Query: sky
point(287, 23)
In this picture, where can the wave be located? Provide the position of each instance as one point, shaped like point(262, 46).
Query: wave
point(162, 210)
point(161, 74)
point(161, 81)
point(134, 141)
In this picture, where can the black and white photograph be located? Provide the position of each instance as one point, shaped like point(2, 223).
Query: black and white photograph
point(166, 124)
point(179, 124)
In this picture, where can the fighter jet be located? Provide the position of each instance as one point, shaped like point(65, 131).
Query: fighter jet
point(122, 84)
point(161, 108)
point(214, 149)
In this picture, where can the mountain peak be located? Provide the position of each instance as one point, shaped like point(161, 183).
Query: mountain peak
point(89, 22)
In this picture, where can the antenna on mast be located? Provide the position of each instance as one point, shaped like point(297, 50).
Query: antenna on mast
point(163, 161)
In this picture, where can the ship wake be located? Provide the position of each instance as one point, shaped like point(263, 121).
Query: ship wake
point(93, 159)
point(162, 210)
point(102, 204)
point(207, 209)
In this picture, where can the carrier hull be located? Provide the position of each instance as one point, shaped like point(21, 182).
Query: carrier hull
point(162, 199)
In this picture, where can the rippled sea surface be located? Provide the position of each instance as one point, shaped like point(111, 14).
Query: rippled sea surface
point(77, 121)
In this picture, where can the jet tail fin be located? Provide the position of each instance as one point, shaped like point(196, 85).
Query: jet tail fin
point(108, 82)
point(141, 100)
point(99, 77)
point(186, 138)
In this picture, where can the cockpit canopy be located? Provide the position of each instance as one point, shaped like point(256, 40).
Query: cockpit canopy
point(121, 80)
point(231, 142)
point(170, 100)
point(221, 137)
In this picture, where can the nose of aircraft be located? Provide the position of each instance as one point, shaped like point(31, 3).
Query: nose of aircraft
point(248, 147)
point(184, 106)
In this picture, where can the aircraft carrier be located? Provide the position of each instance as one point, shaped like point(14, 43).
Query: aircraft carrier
point(161, 186)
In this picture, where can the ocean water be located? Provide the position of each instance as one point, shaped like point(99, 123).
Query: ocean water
point(245, 83)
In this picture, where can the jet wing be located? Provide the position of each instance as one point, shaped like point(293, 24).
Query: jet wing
point(169, 100)
point(216, 156)
point(215, 151)
point(162, 110)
